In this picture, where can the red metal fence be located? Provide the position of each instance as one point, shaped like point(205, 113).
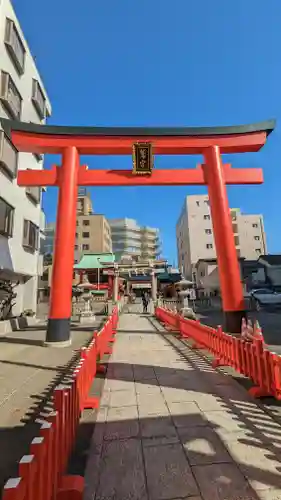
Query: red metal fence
point(42, 473)
point(251, 359)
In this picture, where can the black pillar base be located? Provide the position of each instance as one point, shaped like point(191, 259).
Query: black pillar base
point(233, 321)
point(58, 332)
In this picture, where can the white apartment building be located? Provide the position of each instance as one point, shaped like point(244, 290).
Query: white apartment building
point(129, 238)
point(195, 236)
point(22, 222)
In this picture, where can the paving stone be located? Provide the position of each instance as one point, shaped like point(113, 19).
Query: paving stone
point(92, 475)
point(122, 423)
point(158, 426)
point(144, 372)
point(186, 414)
point(168, 473)
point(99, 431)
point(222, 482)
point(261, 467)
point(148, 386)
point(177, 395)
point(204, 447)
point(105, 398)
point(272, 494)
point(118, 385)
point(122, 398)
point(151, 404)
point(224, 422)
point(159, 441)
point(121, 472)
point(208, 402)
point(232, 393)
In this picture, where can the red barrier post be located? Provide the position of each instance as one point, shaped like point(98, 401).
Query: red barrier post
point(38, 449)
point(14, 489)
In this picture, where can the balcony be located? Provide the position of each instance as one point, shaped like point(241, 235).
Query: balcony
point(38, 99)
point(10, 96)
point(14, 46)
point(34, 193)
point(8, 155)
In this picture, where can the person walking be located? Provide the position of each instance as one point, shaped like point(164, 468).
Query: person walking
point(144, 302)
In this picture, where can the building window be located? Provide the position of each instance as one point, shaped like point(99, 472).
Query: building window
point(75, 247)
point(8, 155)
point(14, 46)
point(198, 203)
point(86, 222)
point(258, 251)
point(10, 96)
point(207, 217)
point(86, 235)
point(6, 218)
point(30, 235)
point(77, 223)
point(34, 193)
point(209, 245)
point(255, 225)
point(208, 231)
point(85, 247)
point(257, 238)
point(207, 202)
point(38, 99)
point(76, 235)
point(202, 274)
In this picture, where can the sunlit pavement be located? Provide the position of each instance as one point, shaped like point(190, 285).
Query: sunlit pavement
point(171, 427)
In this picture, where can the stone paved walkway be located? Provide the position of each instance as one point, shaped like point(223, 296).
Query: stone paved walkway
point(170, 427)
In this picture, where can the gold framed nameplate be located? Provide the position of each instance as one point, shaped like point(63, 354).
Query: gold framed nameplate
point(142, 158)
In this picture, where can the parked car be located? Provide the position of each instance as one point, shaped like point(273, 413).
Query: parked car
point(265, 298)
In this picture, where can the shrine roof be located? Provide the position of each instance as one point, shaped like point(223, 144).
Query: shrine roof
point(34, 128)
point(95, 261)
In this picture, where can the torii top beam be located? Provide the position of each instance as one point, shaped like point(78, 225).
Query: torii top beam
point(33, 138)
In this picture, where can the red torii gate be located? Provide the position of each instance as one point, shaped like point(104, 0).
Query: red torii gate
point(71, 142)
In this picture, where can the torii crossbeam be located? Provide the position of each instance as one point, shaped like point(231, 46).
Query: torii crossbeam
point(71, 142)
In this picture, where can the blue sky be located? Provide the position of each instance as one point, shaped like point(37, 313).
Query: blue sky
point(157, 62)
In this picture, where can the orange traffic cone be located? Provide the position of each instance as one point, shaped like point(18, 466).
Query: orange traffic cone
point(250, 331)
point(244, 329)
point(258, 331)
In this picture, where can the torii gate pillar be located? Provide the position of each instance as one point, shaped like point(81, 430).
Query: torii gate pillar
point(58, 330)
point(228, 264)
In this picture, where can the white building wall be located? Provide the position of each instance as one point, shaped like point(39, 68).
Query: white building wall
point(13, 257)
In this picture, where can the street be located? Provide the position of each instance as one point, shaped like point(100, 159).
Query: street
point(270, 323)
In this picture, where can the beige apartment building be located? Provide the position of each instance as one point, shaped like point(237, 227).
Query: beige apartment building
point(195, 236)
point(93, 233)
